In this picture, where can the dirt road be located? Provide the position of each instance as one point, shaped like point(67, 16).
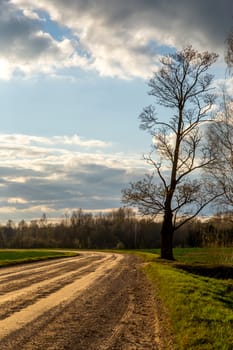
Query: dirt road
point(95, 301)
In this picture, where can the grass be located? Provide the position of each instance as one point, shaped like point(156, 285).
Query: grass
point(205, 255)
point(19, 256)
point(201, 255)
point(200, 307)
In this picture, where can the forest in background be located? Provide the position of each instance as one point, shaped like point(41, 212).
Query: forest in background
point(118, 229)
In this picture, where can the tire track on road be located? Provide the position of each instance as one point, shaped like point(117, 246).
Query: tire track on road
point(14, 281)
point(15, 301)
point(65, 294)
point(14, 270)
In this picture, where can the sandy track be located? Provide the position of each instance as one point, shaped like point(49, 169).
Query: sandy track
point(95, 301)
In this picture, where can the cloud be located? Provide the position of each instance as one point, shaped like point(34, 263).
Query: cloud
point(60, 174)
point(75, 140)
point(114, 38)
point(26, 49)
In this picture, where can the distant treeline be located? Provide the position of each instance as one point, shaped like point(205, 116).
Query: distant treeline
point(119, 229)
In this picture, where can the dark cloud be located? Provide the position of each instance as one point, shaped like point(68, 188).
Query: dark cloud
point(18, 33)
point(208, 21)
point(17, 172)
point(88, 186)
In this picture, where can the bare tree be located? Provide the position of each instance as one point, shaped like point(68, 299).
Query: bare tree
point(229, 50)
point(220, 138)
point(173, 188)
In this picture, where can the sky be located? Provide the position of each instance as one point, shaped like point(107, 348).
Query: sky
point(73, 81)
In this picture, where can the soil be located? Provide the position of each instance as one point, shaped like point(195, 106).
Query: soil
point(96, 301)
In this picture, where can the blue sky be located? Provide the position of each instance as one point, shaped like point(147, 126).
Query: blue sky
point(72, 83)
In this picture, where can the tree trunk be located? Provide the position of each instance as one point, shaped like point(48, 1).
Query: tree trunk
point(166, 234)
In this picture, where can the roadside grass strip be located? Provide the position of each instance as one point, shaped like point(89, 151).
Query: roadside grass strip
point(20, 256)
point(200, 307)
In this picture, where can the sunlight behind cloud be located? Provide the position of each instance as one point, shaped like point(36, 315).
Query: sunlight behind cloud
point(5, 69)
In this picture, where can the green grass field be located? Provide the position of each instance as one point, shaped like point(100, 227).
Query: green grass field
point(19, 256)
point(197, 293)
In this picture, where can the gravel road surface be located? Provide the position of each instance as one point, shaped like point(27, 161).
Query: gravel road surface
point(95, 301)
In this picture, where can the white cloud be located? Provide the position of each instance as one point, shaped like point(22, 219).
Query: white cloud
point(78, 141)
point(15, 179)
point(16, 200)
point(31, 14)
point(13, 140)
point(11, 210)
